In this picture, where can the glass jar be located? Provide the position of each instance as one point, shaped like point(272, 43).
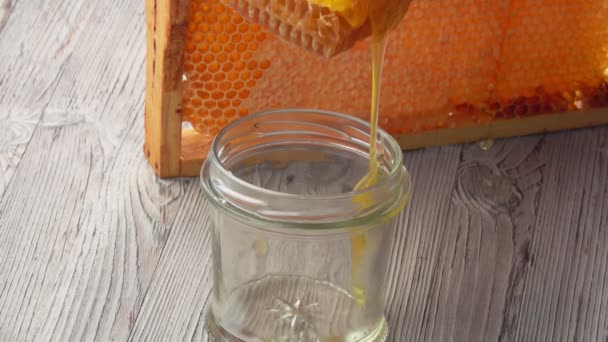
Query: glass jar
point(300, 254)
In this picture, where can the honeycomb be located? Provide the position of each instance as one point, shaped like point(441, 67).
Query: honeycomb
point(307, 24)
point(219, 67)
point(452, 63)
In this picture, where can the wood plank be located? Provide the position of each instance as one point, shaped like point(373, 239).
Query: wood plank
point(478, 268)
point(567, 293)
point(433, 174)
point(84, 219)
point(522, 254)
point(31, 58)
point(174, 307)
point(79, 268)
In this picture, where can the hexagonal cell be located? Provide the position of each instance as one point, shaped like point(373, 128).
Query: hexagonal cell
point(230, 113)
point(209, 121)
point(225, 86)
point(222, 57)
point(223, 104)
point(214, 67)
point(226, 67)
point(231, 94)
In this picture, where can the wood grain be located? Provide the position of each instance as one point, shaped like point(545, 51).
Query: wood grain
point(37, 39)
point(496, 276)
point(84, 219)
point(166, 27)
point(569, 251)
point(176, 300)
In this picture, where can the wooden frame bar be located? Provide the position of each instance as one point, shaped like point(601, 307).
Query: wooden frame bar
point(166, 25)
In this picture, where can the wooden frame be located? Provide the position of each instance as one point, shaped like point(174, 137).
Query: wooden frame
point(166, 25)
point(173, 151)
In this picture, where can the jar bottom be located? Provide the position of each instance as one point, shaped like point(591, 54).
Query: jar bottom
point(285, 308)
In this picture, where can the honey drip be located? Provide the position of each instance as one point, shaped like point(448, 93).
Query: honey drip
point(359, 241)
point(383, 17)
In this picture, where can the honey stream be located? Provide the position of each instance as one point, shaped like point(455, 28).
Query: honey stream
point(359, 241)
point(384, 15)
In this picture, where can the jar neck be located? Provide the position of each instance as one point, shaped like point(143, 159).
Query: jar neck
point(294, 129)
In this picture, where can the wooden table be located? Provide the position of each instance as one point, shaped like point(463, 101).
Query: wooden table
point(509, 244)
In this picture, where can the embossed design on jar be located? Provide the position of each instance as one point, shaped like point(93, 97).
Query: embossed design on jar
point(299, 316)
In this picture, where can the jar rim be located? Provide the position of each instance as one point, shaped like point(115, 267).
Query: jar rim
point(397, 170)
point(214, 152)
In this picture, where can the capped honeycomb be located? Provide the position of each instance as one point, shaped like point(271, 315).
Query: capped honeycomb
point(450, 64)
